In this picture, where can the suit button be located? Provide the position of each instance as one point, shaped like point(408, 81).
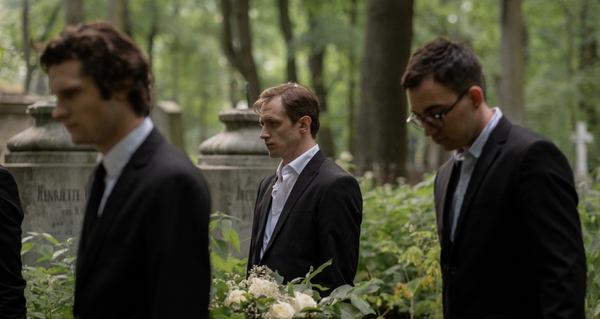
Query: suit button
point(453, 271)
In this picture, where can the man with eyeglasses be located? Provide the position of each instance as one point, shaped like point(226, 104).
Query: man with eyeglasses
point(506, 204)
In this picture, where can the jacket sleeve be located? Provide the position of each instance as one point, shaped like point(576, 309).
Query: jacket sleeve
point(338, 227)
point(176, 246)
point(547, 197)
point(12, 285)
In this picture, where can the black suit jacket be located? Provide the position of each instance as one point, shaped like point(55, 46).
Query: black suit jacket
point(319, 221)
point(12, 285)
point(518, 249)
point(147, 255)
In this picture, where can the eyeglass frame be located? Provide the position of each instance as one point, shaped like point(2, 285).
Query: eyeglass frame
point(415, 119)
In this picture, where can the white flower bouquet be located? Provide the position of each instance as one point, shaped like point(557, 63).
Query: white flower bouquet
point(263, 296)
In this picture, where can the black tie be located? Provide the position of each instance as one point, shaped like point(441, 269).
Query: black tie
point(96, 193)
point(449, 209)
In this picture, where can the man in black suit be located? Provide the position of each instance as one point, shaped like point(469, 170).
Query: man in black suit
point(309, 210)
point(143, 250)
point(506, 204)
point(12, 285)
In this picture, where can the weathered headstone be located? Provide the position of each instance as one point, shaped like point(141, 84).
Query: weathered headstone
point(51, 173)
point(580, 138)
point(234, 162)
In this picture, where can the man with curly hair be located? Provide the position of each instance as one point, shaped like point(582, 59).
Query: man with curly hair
point(143, 250)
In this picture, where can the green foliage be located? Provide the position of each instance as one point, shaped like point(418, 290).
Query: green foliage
point(399, 246)
point(224, 241)
point(50, 290)
point(398, 273)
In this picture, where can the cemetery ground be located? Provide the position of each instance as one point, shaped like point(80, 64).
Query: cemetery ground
point(399, 252)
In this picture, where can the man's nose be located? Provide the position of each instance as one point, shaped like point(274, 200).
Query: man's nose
point(429, 130)
point(263, 133)
point(59, 111)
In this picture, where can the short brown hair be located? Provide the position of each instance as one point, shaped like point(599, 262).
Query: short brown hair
point(452, 64)
point(297, 100)
point(110, 57)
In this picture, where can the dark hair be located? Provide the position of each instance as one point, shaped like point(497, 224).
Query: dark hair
point(297, 100)
point(452, 64)
point(110, 57)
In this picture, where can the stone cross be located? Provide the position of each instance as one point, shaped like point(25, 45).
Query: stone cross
point(580, 138)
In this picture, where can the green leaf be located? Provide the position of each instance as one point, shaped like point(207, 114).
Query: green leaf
point(316, 272)
point(341, 292)
point(237, 316)
point(224, 225)
point(348, 311)
point(59, 252)
point(220, 247)
point(361, 305)
point(26, 247)
point(50, 238)
point(234, 239)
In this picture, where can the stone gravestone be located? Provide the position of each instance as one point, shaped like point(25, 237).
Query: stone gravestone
point(580, 138)
point(51, 173)
point(234, 162)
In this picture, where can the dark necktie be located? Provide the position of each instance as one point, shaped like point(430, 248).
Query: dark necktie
point(449, 209)
point(96, 193)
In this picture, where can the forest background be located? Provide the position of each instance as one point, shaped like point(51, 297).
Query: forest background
point(540, 60)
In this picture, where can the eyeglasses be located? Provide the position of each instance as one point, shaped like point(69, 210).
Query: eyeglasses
point(435, 120)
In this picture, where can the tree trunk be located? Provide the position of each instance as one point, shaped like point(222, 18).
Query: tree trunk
point(26, 46)
point(381, 129)
point(73, 11)
point(41, 87)
point(153, 33)
point(118, 15)
point(588, 57)
point(286, 28)
point(352, 83)
point(325, 137)
point(238, 46)
point(511, 61)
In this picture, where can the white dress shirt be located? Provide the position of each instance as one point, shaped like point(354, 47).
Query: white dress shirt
point(469, 159)
point(116, 159)
point(287, 175)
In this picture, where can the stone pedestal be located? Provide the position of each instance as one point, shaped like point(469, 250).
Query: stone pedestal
point(13, 117)
point(51, 173)
point(234, 162)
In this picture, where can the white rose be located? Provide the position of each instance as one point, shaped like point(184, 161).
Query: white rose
point(280, 310)
point(235, 296)
point(261, 287)
point(302, 301)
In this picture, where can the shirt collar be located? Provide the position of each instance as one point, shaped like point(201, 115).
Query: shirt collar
point(299, 163)
point(477, 146)
point(116, 159)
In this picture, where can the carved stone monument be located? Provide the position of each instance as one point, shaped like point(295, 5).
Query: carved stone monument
point(234, 162)
point(51, 173)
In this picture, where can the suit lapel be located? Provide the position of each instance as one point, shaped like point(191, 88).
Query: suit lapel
point(115, 201)
point(443, 180)
point(263, 214)
point(306, 177)
point(490, 153)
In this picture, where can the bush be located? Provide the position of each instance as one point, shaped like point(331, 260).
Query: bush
point(399, 252)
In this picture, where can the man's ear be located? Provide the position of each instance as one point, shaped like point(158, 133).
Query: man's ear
point(476, 94)
point(305, 122)
point(121, 95)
